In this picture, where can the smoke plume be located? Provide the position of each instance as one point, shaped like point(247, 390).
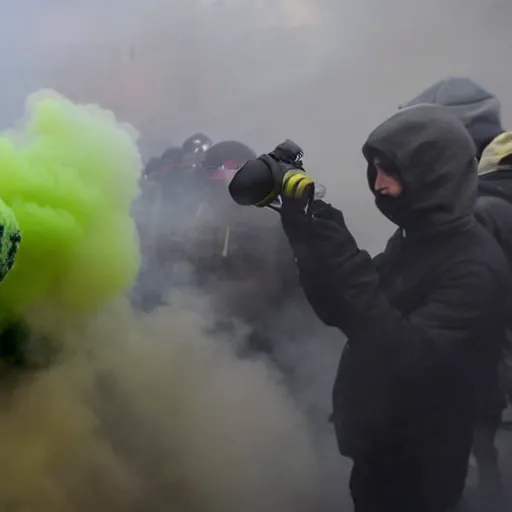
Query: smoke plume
point(147, 412)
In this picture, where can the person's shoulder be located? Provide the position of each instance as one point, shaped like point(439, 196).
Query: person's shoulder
point(492, 205)
point(392, 246)
point(495, 214)
point(473, 247)
point(486, 251)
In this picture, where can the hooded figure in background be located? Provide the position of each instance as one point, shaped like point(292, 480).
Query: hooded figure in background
point(164, 210)
point(420, 319)
point(480, 112)
point(476, 107)
point(240, 256)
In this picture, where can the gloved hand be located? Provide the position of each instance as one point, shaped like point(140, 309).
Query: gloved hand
point(321, 236)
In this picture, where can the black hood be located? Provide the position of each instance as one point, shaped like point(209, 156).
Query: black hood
point(435, 156)
point(476, 107)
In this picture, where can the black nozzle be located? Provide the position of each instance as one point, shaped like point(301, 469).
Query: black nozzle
point(288, 152)
point(252, 184)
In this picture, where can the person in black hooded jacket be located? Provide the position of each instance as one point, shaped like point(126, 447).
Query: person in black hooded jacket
point(240, 257)
point(480, 111)
point(415, 317)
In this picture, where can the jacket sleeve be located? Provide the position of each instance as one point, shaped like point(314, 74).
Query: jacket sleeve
point(495, 215)
point(342, 285)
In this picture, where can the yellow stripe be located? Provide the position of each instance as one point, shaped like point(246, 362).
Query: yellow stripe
point(268, 199)
point(305, 183)
point(295, 183)
point(291, 178)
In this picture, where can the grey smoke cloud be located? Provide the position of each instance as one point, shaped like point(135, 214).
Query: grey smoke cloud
point(323, 72)
point(147, 412)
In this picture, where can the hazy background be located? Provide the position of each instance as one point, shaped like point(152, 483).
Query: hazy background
point(322, 72)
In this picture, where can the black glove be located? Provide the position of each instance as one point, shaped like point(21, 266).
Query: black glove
point(320, 236)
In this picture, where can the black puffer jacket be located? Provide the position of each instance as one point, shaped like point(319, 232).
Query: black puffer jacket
point(420, 323)
point(480, 112)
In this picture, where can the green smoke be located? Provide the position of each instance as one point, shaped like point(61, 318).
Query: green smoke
point(68, 176)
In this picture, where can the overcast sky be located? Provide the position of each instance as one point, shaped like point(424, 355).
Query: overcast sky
point(321, 71)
